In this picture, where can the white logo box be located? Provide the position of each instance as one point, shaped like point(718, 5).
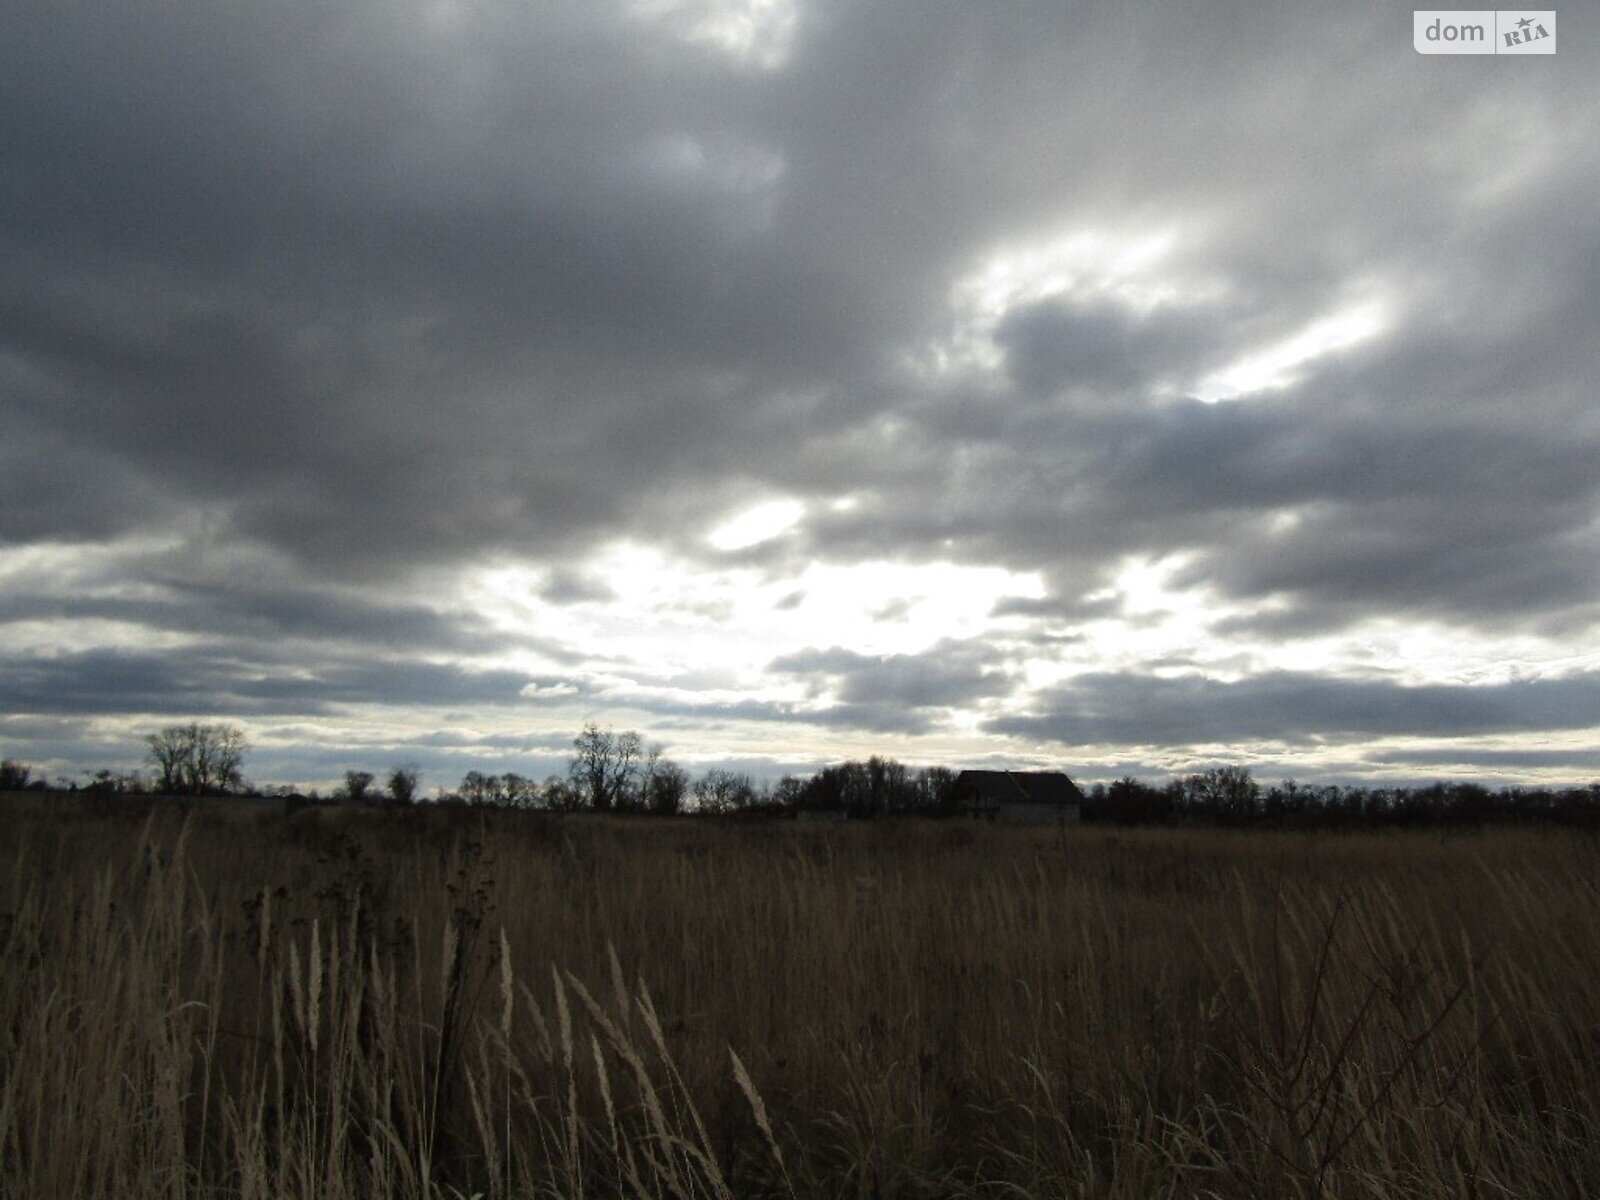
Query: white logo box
point(1484, 31)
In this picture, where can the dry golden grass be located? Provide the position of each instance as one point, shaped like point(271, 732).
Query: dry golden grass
point(439, 1004)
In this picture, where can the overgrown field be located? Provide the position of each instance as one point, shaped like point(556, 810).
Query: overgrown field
point(433, 1003)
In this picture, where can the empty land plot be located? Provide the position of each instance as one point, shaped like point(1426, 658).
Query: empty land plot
point(216, 1001)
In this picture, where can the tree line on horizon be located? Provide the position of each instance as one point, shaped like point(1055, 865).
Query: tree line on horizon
point(617, 772)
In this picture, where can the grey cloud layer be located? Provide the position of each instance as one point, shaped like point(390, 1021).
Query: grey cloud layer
point(947, 675)
point(373, 290)
point(239, 680)
point(1292, 707)
point(380, 291)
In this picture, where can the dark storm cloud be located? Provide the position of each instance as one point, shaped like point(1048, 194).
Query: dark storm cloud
point(372, 324)
point(1099, 347)
point(1578, 763)
point(1053, 607)
point(1483, 520)
point(449, 292)
point(1296, 708)
point(237, 679)
point(667, 715)
point(566, 586)
point(262, 611)
point(947, 675)
point(387, 288)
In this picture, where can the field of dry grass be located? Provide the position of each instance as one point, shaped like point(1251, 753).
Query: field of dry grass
point(438, 1004)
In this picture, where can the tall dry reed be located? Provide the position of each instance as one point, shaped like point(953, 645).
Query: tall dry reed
point(442, 1004)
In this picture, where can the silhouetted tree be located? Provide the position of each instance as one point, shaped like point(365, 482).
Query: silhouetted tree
point(107, 781)
point(1127, 801)
point(403, 784)
point(720, 791)
point(560, 795)
point(665, 784)
point(605, 767)
point(844, 785)
point(357, 786)
point(478, 788)
point(889, 787)
point(14, 776)
point(1227, 793)
point(877, 786)
point(788, 792)
point(197, 759)
point(935, 789)
point(516, 791)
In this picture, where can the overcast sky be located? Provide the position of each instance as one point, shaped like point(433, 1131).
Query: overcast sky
point(1124, 388)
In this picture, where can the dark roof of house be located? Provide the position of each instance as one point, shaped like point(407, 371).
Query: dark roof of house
point(1029, 787)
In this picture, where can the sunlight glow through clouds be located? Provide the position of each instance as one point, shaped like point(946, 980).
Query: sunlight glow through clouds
point(90, 572)
point(671, 618)
point(1126, 267)
point(1162, 629)
point(1134, 271)
point(742, 179)
point(749, 33)
point(753, 526)
point(1084, 263)
point(1278, 366)
point(1155, 623)
point(1417, 652)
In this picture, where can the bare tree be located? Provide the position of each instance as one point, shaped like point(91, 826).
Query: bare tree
point(605, 767)
point(219, 754)
point(665, 784)
point(560, 795)
point(403, 783)
point(114, 782)
point(517, 791)
point(788, 792)
point(935, 789)
point(357, 786)
point(197, 759)
point(501, 791)
point(720, 791)
point(1229, 793)
point(14, 776)
point(478, 788)
point(889, 786)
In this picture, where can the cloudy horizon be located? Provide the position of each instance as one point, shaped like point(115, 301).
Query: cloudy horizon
point(1124, 389)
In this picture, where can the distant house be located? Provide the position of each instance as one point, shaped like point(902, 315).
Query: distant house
point(1017, 796)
